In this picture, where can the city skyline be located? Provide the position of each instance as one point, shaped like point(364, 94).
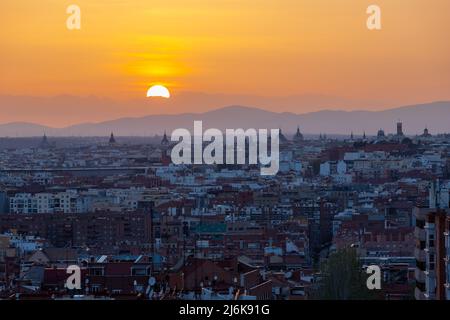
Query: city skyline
point(254, 153)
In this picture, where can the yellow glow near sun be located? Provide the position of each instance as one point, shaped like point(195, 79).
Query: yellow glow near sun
point(158, 91)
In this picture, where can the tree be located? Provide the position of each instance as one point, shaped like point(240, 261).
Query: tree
point(343, 278)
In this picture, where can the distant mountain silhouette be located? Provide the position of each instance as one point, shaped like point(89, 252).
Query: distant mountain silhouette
point(65, 110)
point(415, 118)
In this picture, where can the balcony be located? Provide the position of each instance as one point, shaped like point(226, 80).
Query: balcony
point(419, 275)
point(419, 255)
point(420, 214)
point(420, 234)
point(447, 289)
point(419, 295)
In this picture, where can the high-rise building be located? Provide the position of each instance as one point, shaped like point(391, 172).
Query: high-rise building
point(432, 249)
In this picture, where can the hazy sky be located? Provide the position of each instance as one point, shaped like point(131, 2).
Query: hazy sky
point(262, 48)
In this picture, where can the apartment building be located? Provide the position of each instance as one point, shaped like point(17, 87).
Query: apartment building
point(432, 250)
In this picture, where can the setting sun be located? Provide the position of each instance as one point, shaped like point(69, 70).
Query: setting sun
point(158, 91)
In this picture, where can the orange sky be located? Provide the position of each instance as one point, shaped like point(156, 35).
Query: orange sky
point(261, 48)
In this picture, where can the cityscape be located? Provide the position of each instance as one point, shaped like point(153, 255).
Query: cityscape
point(224, 158)
point(140, 227)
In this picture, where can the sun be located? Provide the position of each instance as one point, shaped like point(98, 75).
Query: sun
point(158, 91)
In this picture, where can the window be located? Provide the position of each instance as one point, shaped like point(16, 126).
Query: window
point(139, 271)
point(431, 262)
point(96, 271)
point(431, 240)
point(95, 288)
point(422, 245)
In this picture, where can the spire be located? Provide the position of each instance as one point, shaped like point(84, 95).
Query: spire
point(283, 139)
point(44, 142)
point(298, 137)
point(351, 135)
point(112, 140)
point(165, 141)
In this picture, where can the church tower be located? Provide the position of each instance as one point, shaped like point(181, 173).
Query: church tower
point(112, 140)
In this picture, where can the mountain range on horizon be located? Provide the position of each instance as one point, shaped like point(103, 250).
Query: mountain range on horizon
point(65, 109)
point(415, 118)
